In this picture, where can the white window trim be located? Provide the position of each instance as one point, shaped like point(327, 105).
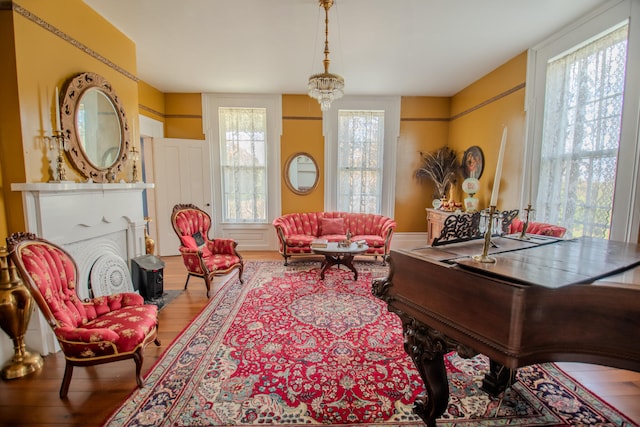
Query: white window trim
point(391, 107)
point(625, 224)
point(250, 236)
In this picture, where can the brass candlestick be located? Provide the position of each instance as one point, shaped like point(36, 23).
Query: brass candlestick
point(15, 313)
point(135, 156)
point(528, 213)
point(487, 239)
point(58, 142)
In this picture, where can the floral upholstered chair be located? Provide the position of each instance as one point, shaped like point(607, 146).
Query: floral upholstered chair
point(90, 332)
point(202, 256)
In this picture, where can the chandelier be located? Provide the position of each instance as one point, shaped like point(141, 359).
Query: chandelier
point(326, 87)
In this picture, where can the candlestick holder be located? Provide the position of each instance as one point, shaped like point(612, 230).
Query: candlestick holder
point(528, 214)
point(58, 142)
point(487, 224)
point(135, 156)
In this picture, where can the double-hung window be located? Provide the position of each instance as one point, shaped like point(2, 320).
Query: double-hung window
point(360, 154)
point(581, 135)
point(583, 148)
point(360, 160)
point(243, 132)
point(243, 164)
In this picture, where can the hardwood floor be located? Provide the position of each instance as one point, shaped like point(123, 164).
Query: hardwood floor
point(96, 391)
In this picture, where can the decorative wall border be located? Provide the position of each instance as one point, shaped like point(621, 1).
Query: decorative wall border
point(300, 118)
point(54, 30)
point(469, 110)
point(489, 101)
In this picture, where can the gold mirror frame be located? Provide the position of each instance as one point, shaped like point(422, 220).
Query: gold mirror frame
point(288, 169)
point(73, 93)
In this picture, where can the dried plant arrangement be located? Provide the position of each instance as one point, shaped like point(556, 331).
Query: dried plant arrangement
point(441, 166)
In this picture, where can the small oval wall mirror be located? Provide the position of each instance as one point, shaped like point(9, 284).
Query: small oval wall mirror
point(301, 173)
point(94, 122)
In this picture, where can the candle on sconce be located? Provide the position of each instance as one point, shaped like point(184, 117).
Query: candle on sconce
point(496, 180)
point(57, 101)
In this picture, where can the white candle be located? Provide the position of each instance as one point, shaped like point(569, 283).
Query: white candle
point(496, 180)
point(57, 101)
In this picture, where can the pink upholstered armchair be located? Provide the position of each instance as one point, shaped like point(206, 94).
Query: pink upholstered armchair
point(202, 256)
point(90, 332)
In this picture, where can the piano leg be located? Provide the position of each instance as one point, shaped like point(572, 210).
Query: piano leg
point(426, 346)
point(498, 378)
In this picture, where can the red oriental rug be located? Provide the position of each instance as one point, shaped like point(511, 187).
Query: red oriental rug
point(286, 348)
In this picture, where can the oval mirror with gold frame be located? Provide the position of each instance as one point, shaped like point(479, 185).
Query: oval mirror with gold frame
point(95, 124)
point(301, 173)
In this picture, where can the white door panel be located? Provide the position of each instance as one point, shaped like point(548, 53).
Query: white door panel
point(183, 175)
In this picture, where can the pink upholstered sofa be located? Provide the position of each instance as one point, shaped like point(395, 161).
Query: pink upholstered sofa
point(537, 228)
point(296, 231)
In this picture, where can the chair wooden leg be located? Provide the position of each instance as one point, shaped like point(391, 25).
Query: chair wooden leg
point(187, 282)
point(156, 341)
point(241, 270)
point(68, 371)
point(207, 282)
point(137, 357)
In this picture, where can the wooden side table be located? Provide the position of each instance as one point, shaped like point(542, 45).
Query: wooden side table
point(435, 222)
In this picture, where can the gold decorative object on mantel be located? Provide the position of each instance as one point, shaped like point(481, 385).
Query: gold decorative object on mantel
point(135, 156)
point(57, 145)
point(149, 243)
point(15, 313)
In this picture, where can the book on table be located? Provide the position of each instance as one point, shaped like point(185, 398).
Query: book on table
point(319, 243)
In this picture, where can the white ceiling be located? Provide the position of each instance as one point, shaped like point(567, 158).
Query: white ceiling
point(390, 47)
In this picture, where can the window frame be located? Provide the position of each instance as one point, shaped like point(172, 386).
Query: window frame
point(249, 235)
point(625, 223)
point(391, 107)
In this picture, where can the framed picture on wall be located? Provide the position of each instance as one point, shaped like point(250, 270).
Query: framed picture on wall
point(472, 162)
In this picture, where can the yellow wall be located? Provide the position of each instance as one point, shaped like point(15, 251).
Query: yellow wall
point(151, 102)
point(183, 115)
point(424, 126)
point(52, 42)
point(302, 132)
point(478, 114)
point(10, 133)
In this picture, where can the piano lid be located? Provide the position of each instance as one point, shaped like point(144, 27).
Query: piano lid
point(560, 263)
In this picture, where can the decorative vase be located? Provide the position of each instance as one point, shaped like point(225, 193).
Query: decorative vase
point(15, 313)
point(149, 243)
point(471, 204)
point(471, 186)
point(436, 203)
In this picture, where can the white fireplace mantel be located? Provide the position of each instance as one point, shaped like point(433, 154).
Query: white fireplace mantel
point(91, 221)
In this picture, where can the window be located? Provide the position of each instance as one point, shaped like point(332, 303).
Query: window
point(360, 161)
point(243, 132)
point(359, 133)
point(243, 166)
point(582, 152)
point(581, 134)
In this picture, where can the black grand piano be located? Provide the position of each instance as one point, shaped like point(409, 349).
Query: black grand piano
point(544, 299)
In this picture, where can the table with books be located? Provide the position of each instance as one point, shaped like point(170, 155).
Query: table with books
point(335, 253)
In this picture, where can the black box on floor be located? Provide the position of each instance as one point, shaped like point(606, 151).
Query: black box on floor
point(146, 275)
